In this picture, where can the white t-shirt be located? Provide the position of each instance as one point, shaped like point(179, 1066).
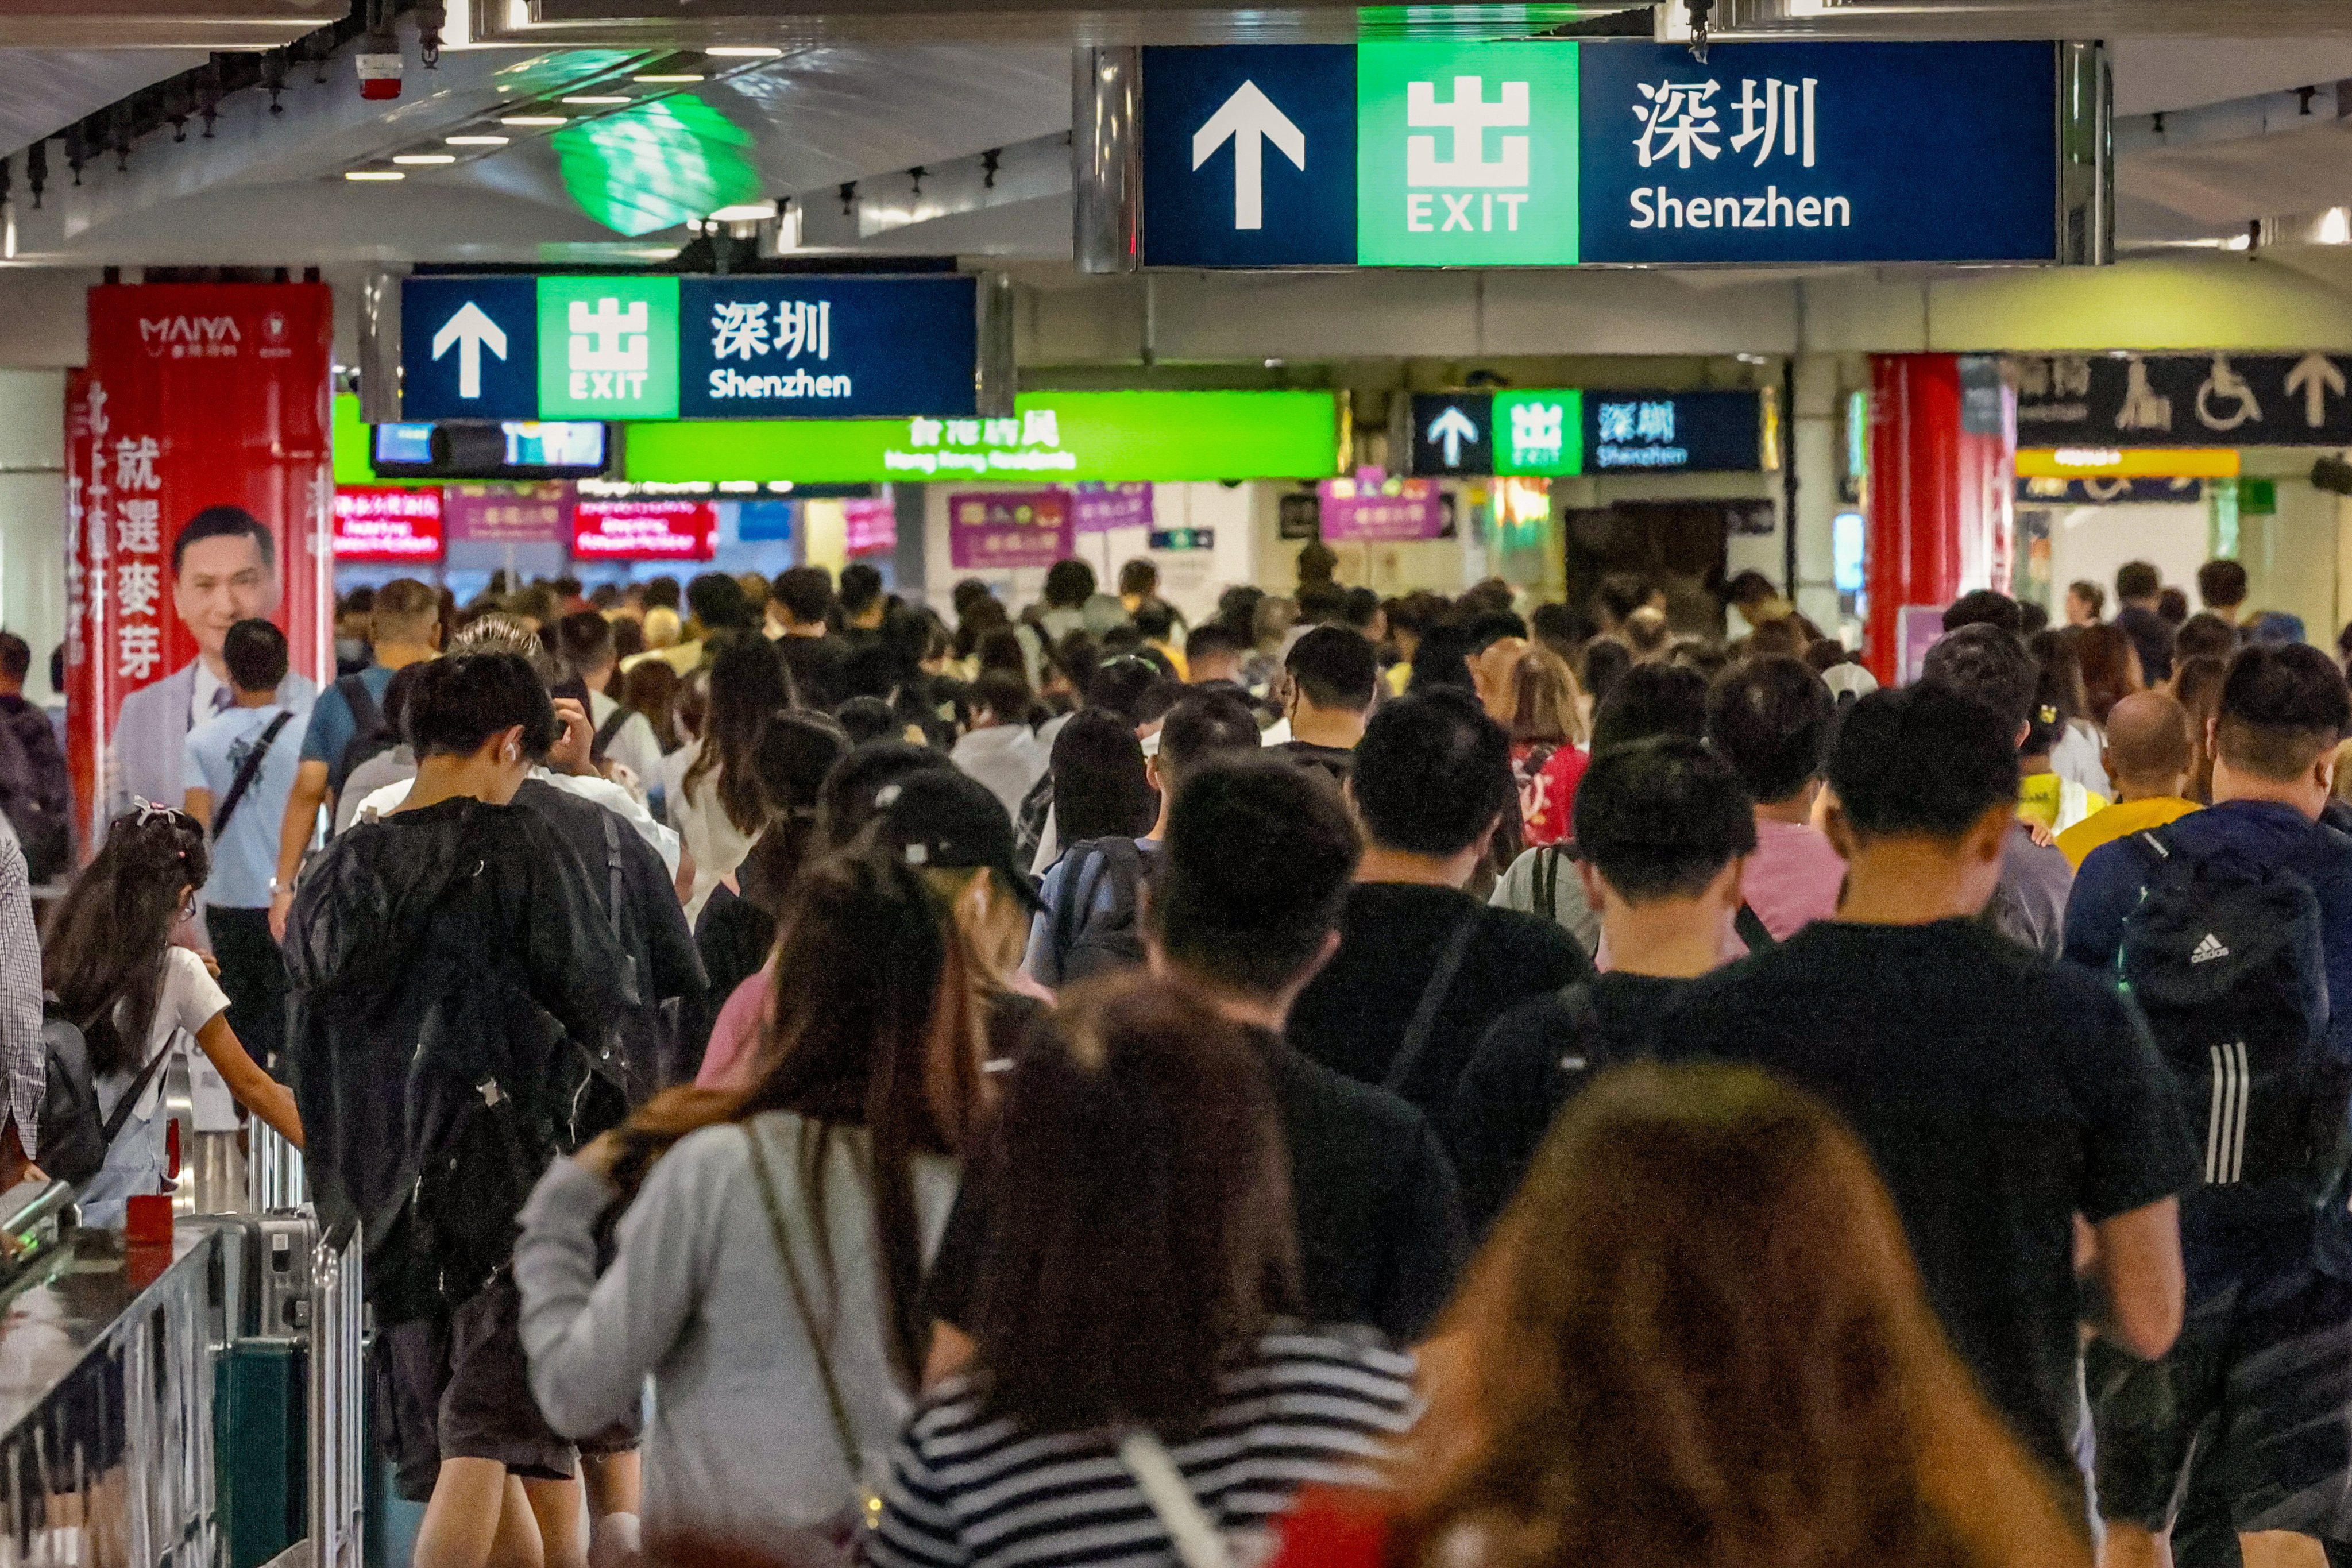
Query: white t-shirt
point(633, 745)
point(188, 999)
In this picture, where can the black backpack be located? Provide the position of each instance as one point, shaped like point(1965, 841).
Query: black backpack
point(74, 1139)
point(2225, 960)
point(371, 731)
point(1091, 940)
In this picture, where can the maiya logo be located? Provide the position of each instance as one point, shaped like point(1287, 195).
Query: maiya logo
point(1497, 186)
point(190, 337)
point(1683, 127)
point(612, 349)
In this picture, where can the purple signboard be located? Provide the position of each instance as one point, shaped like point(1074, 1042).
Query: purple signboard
point(507, 514)
point(1372, 507)
point(1099, 508)
point(1917, 628)
point(1002, 530)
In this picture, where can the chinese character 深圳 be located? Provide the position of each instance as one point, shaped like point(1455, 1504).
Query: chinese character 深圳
point(1616, 422)
point(739, 329)
point(1654, 421)
point(805, 327)
point(1784, 114)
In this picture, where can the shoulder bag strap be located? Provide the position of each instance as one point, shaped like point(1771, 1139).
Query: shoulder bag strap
point(609, 730)
point(121, 1116)
point(1198, 1542)
point(246, 774)
point(1546, 880)
point(835, 1405)
point(1424, 1017)
point(1752, 929)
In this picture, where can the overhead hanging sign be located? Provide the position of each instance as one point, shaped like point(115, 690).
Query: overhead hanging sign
point(1564, 432)
point(2182, 400)
point(1434, 153)
point(387, 524)
point(1002, 530)
point(1051, 438)
point(617, 347)
point(1673, 432)
point(643, 530)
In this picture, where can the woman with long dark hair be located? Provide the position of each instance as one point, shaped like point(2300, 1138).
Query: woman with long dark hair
point(1698, 1337)
point(718, 808)
point(1139, 1379)
point(772, 1254)
point(108, 961)
point(2111, 669)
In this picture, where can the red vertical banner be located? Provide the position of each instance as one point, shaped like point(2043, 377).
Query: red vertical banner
point(200, 492)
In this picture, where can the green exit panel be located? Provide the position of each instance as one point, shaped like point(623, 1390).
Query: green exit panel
point(1466, 154)
point(608, 348)
point(1539, 433)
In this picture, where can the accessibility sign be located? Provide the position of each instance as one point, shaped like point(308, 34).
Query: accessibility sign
point(642, 347)
point(1432, 154)
point(2132, 400)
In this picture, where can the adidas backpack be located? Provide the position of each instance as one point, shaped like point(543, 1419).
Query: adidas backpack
point(2224, 960)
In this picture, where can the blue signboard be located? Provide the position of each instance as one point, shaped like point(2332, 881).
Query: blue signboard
point(1673, 432)
point(469, 348)
point(1437, 154)
point(827, 348)
point(1249, 154)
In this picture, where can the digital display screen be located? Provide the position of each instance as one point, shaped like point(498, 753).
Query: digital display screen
point(557, 449)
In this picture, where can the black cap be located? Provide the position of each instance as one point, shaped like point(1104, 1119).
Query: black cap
point(941, 816)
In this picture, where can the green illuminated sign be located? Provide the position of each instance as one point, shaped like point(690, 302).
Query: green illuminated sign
point(1466, 154)
point(608, 348)
point(1539, 433)
point(656, 165)
point(1051, 437)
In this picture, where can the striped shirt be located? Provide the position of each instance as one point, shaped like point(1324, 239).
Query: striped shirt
point(1316, 1408)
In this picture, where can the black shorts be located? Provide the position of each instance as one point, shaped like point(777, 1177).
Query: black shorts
point(459, 1388)
point(2246, 1425)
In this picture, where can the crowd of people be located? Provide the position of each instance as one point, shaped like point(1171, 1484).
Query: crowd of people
point(1350, 1083)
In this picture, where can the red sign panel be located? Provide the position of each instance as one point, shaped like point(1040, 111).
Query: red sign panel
point(199, 493)
point(387, 525)
point(1008, 529)
point(644, 530)
point(871, 524)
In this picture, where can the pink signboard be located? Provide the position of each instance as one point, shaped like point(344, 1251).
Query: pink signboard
point(1373, 507)
point(1008, 529)
point(507, 514)
point(872, 524)
point(1099, 508)
point(644, 530)
point(387, 525)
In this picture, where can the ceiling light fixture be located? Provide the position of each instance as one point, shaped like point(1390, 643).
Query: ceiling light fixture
point(476, 141)
point(426, 158)
point(743, 52)
point(745, 212)
point(372, 176)
point(533, 120)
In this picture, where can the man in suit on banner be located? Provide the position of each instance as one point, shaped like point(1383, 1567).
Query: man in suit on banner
point(224, 571)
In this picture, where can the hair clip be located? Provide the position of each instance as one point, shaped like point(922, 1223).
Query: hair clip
point(2048, 714)
point(149, 811)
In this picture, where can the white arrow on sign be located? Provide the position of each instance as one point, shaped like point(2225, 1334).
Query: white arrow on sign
point(1249, 119)
point(472, 331)
point(1450, 429)
point(2315, 375)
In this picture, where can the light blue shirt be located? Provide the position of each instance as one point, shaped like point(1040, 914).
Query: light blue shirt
point(244, 856)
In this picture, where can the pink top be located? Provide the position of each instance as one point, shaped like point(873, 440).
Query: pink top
point(732, 1037)
point(1794, 877)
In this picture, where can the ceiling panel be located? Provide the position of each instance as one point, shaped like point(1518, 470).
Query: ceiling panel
point(44, 90)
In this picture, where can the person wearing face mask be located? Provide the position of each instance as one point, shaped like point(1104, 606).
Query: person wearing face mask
point(455, 987)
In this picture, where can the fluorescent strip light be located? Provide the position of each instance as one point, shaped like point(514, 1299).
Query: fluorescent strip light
point(475, 141)
point(426, 158)
point(601, 97)
point(533, 120)
point(748, 212)
point(373, 175)
point(679, 77)
point(743, 52)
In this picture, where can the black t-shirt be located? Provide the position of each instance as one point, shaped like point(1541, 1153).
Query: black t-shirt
point(816, 664)
point(1336, 761)
point(2000, 1093)
point(1380, 1225)
point(1531, 1063)
point(1355, 1014)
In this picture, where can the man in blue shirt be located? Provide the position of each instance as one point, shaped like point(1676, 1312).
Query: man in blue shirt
point(240, 767)
point(405, 628)
point(2245, 1428)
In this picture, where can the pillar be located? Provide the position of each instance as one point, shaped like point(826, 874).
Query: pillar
point(1939, 505)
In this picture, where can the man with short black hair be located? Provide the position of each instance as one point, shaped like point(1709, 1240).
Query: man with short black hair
point(2139, 588)
point(1090, 921)
point(2222, 589)
point(862, 601)
point(1769, 719)
point(1994, 667)
point(2002, 1094)
point(584, 647)
point(1334, 673)
point(1423, 968)
point(1663, 828)
point(1244, 909)
point(2246, 1428)
point(36, 791)
point(404, 628)
point(241, 769)
point(1985, 607)
point(799, 604)
point(1322, 605)
point(1215, 652)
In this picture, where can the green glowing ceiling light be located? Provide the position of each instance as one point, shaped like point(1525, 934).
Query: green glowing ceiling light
point(656, 165)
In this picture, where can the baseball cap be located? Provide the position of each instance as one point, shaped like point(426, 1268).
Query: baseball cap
point(941, 816)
